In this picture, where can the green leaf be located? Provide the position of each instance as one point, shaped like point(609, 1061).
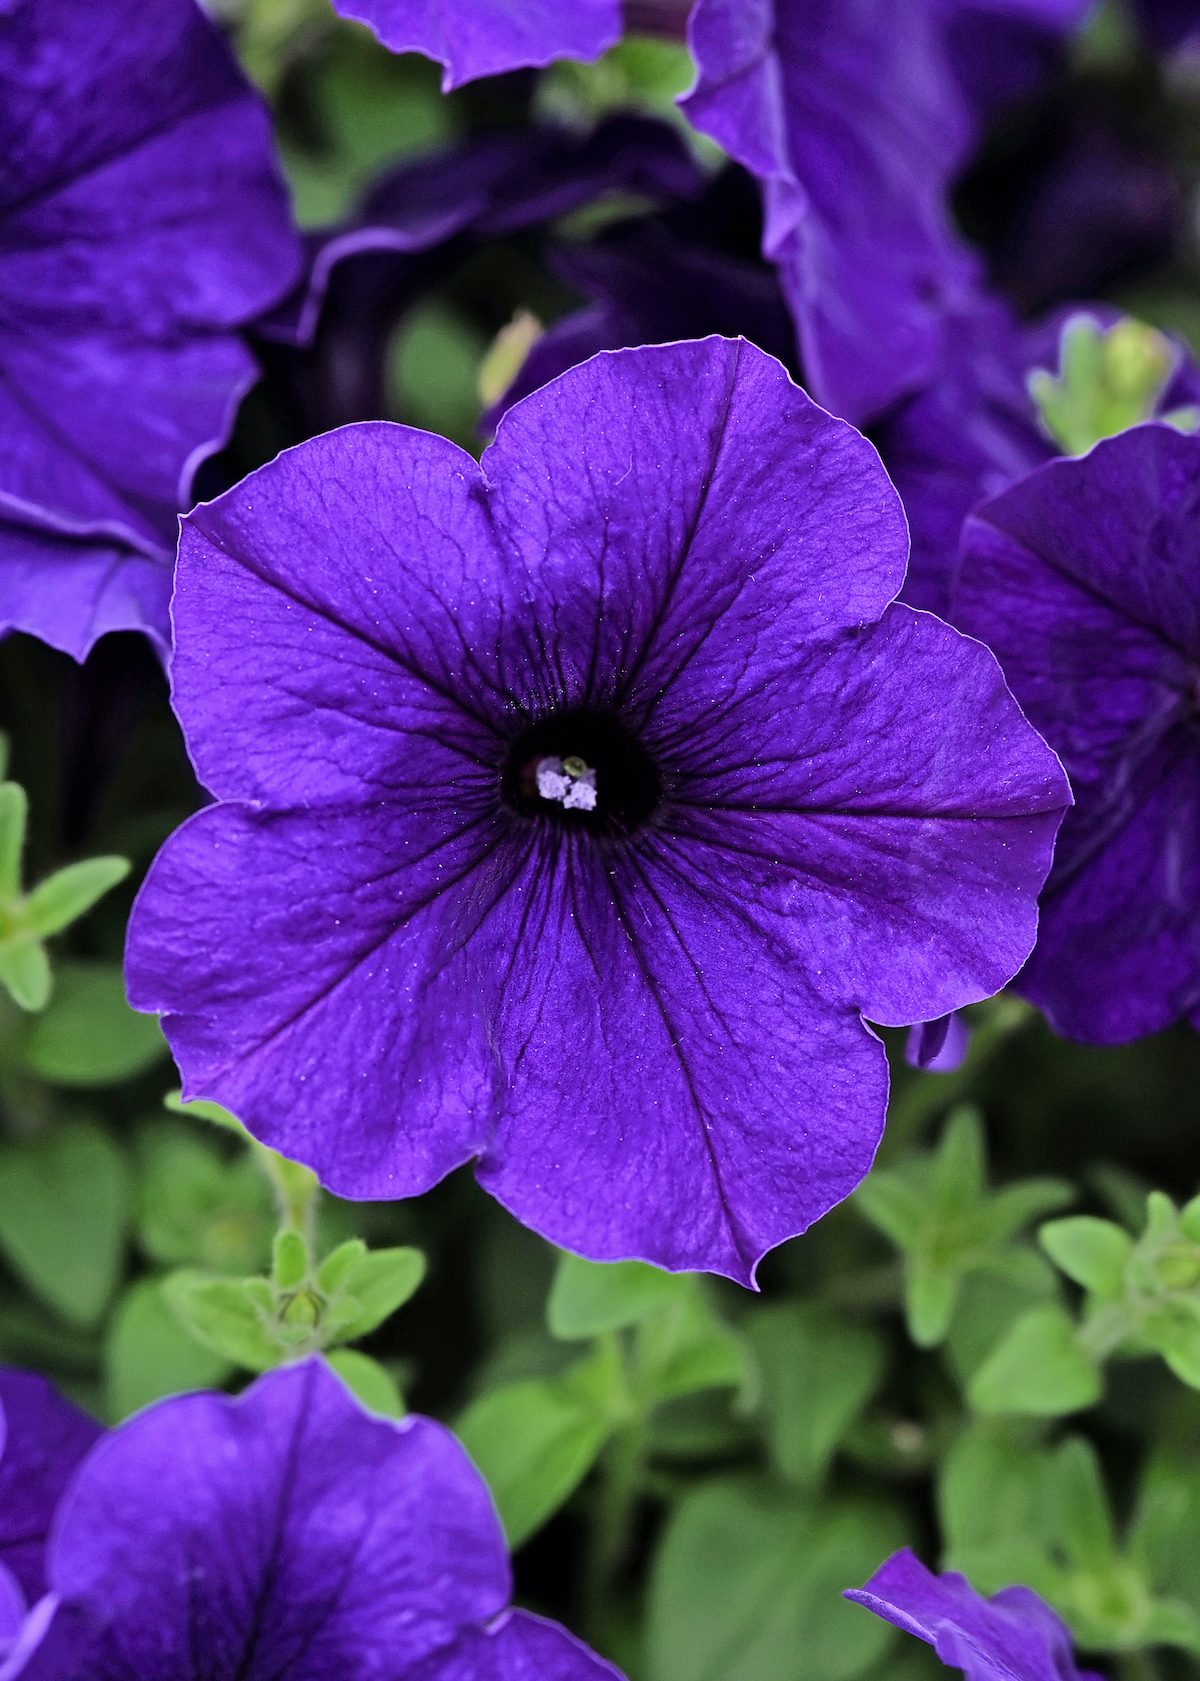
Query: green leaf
point(370, 1291)
point(959, 1165)
point(990, 1302)
point(930, 1294)
point(1109, 380)
point(89, 1036)
point(200, 1109)
point(432, 368)
point(587, 1298)
point(746, 1586)
point(148, 1354)
point(1008, 1211)
point(231, 1316)
point(818, 1373)
point(1189, 1220)
point(1173, 1331)
point(1161, 1216)
point(534, 1443)
point(687, 1349)
point(14, 814)
point(368, 1382)
point(64, 1209)
point(1039, 1368)
point(25, 973)
point(506, 357)
point(1167, 1522)
point(894, 1206)
point(289, 1259)
point(1091, 1252)
point(368, 108)
point(338, 1263)
point(195, 1208)
point(639, 74)
point(996, 1507)
point(1169, 1624)
point(1085, 1526)
point(66, 895)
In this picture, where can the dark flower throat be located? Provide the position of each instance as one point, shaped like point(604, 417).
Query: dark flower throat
point(628, 784)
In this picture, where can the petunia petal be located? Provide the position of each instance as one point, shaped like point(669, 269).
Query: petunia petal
point(143, 222)
point(71, 590)
point(42, 1440)
point(335, 959)
point(1118, 957)
point(703, 1105)
point(1012, 1634)
point(899, 878)
point(516, 1648)
point(345, 657)
point(854, 132)
point(12, 1609)
point(474, 38)
point(712, 517)
point(287, 1532)
point(1082, 579)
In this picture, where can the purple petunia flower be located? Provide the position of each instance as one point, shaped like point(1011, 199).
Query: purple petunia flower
point(420, 222)
point(855, 119)
point(1001, 49)
point(855, 130)
point(42, 1439)
point(1014, 1636)
point(976, 430)
point(1083, 578)
point(1100, 204)
point(968, 435)
point(475, 38)
point(142, 223)
point(283, 1533)
point(682, 273)
point(638, 998)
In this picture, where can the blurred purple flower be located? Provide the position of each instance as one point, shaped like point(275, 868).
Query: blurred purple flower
point(969, 434)
point(428, 936)
point(678, 274)
point(1169, 23)
point(1093, 201)
point(142, 224)
point(42, 1439)
point(1085, 579)
point(855, 126)
point(975, 430)
point(475, 38)
point(1002, 49)
point(324, 346)
point(284, 1533)
point(1013, 1636)
point(856, 121)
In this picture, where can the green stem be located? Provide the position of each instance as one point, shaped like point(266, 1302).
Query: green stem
point(613, 1515)
point(1104, 1333)
point(295, 1191)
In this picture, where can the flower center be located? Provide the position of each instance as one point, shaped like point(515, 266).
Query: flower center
point(583, 770)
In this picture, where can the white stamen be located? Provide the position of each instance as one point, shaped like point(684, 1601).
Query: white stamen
point(576, 791)
point(581, 796)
